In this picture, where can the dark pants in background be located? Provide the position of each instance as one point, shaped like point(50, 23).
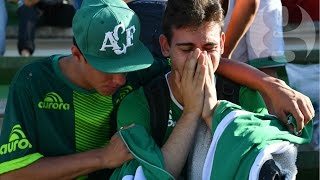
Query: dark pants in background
point(59, 15)
point(150, 13)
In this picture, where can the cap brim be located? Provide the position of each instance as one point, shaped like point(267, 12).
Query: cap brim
point(140, 59)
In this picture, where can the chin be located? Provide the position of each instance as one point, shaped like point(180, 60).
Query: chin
point(106, 93)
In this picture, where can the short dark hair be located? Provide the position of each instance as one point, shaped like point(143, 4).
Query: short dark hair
point(190, 13)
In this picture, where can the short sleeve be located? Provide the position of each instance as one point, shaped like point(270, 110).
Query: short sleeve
point(17, 134)
point(134, 109)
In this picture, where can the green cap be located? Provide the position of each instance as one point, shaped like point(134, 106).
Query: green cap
point(107, 33)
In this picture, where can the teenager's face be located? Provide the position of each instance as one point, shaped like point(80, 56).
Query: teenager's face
point(207, 37)
point(104, 83)
point(90, 78)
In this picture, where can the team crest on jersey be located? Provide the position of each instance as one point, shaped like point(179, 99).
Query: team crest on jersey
point(111, 39)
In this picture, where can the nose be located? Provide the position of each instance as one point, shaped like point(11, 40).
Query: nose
point(119, 79)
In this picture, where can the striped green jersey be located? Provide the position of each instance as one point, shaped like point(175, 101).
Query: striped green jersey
point(47, 115)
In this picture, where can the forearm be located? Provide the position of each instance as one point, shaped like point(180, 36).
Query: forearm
point(247, 75)
point(177, 147)
point(240, 21)
point(62, 167)
point(30, 3)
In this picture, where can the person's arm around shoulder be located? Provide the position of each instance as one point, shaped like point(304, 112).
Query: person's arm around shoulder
point(30, 3)
point(280, 99)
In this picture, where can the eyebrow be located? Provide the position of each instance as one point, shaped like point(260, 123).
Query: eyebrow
point(185, 44)
point(191, 44)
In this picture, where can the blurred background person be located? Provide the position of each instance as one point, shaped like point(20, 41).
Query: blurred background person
point(254, 33)
point(3, 25)
point(33, 13)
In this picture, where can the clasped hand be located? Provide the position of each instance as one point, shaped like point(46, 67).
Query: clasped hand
point(196, 84)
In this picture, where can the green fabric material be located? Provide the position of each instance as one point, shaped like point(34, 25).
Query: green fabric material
point(174, 115)
point(82, 178)
point(146, 153)
point(40, 113)
point(251, 100)
point(19, 163)
point(249, 134)
point(43, 107)
point(39, 110)
point(245, 137)
point(134, 109)
point(96, 116)
point(268, 62)
point(107, 33)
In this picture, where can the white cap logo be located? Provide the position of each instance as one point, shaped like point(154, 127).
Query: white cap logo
point(113, 37)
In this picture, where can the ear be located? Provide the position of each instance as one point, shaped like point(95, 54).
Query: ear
point(77, 54)
point(222, 40)
point(165, 46)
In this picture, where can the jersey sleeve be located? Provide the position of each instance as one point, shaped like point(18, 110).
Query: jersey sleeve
point(224, 107)
point(222, 110)
point(17, 138)
point(134, 109)
point(250, 100)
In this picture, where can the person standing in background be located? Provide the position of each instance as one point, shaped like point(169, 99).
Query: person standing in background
point(57, 13)
point(3, 25)
point(254, 33)
point(150, 12)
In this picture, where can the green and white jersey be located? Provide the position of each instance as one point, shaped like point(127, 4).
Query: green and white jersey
point(148, 162)
point(47, 115)
point(134, 108)
point(243, 141)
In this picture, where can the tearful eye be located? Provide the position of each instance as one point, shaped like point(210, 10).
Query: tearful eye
point(215, 48)
point(186, 49)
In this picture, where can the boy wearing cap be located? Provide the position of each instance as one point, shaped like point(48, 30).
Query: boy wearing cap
point(59, 108)
point(56, 124)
